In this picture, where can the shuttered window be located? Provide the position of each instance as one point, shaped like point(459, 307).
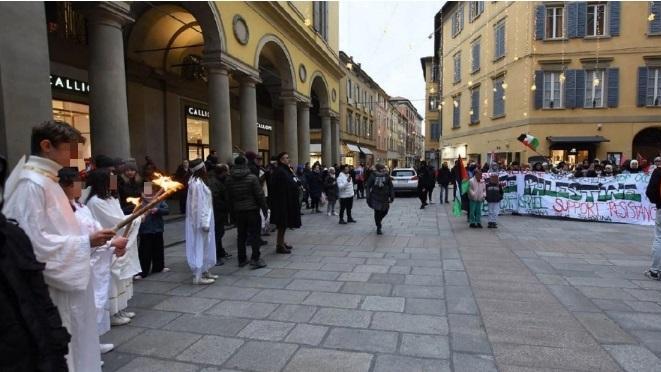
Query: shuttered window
point(653, 87)
point(475, 9)
point(435, 130)
point(596, 20)
point(655, 24)
point(499, 42)
point(552, 90)
point(498, 97)
point(320, 15)
point(475, 56)
point(475, 106)
point(456, 112)
point(458, 20)
point(457, 67)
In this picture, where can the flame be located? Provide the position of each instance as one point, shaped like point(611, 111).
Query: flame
point(166, 183)
point(134, 201)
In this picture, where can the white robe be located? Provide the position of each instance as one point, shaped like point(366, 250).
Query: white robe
point(109, 213)
point(200, 245)
point(38, 203)
point(101, 261)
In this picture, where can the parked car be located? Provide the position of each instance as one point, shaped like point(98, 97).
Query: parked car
point(404, 180)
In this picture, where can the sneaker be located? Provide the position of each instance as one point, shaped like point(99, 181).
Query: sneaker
point(165, 270)
point(334, 214)
point(342, 222)
point(652, 275)
point(106, 348)
point(243, 263)
point(138, 277)
point(257, 264)
point(127, 314)
point(479, 225)
point(117, 320)
point(219, 262)
point(203, 281)
point(491, 225)
point(289, 246)
point(378, 231)
point(209, 275)
point(422, 206)
point(282, 250)
point(472, 226)
point(329, 214)
point(351, 220)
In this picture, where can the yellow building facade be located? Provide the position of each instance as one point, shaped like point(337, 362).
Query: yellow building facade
point(581, 77)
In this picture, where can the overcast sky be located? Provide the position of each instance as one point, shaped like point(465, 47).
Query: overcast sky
point(388, 38)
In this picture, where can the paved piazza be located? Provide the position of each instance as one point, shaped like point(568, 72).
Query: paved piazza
point(429, 295)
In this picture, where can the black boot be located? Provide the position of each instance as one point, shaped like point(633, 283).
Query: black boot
point(378, 230)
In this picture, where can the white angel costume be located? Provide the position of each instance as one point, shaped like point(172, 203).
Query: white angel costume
point(37, 202)
point(200, 235)
point(109, 213)
point(101, 261)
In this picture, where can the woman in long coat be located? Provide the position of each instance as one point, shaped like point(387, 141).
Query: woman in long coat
point(380, 194)
point(285, 205)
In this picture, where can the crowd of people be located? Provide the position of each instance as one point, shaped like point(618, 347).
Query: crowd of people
point(68, 269)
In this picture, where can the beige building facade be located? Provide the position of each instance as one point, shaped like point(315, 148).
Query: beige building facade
point(584, 78)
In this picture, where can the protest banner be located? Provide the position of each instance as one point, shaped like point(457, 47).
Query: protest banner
point(619, 199)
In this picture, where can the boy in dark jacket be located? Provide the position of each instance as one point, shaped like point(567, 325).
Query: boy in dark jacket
point(494, 196)
point(151, 247)
point(653, 193)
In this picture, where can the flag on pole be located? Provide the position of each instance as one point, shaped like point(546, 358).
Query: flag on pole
point(529, 141)
point(463, 182)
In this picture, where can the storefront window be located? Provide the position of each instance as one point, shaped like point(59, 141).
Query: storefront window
point(197, 137)
point(264, 145)
point(78, 116)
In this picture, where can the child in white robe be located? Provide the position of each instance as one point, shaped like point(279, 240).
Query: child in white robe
point(106, 209)
point(200, 235)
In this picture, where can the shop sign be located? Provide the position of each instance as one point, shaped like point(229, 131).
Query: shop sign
point(264, 126)
point(196, 111)
point(69, 84)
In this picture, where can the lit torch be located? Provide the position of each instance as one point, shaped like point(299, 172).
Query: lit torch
point(168, 187)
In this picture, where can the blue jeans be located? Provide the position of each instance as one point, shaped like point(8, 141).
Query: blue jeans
point(656, 245)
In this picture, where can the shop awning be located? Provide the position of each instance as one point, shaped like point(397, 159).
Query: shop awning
point(365, 150)
point(315, 148)
point(577, 139)
point(353, 148)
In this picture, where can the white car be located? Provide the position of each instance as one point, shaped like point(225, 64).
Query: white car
point(404, 179)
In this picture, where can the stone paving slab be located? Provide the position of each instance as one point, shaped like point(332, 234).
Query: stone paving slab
point(429, 295)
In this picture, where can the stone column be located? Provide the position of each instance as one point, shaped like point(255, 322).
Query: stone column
point(290, 124)
point(326, 142)
point(220, 122)
point(248, 107)
point(109, 120)
point(304, 132)
point(335, 140)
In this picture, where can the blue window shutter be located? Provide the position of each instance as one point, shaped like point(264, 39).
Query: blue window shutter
point(613, 81)
point(477, 56)
point(540, 17)
point(570, 89)
point(475, 105)
point(614, 18)
point(581, 14)
point(572, 19)
point(539, 91)
point(642, 86)
point(580, 88)
point(655, 25)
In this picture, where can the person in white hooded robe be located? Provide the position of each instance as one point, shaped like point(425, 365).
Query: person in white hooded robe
point(200, 235)
point(35, 200)
point(101, 257)
point(107, 211)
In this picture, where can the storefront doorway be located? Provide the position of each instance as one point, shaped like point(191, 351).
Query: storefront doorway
point(197, 133)
point(264, 145)
point(78, 116)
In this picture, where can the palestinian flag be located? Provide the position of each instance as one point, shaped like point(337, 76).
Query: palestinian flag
point(529, 141)
point(464, 184)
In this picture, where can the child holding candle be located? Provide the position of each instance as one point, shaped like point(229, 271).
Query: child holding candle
point(151, 246)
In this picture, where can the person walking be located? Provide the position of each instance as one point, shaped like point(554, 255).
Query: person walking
point(423, 183)
point(443, 179)
point(653, 193)
point(200, 229)
point(360, 181)
point(380, 194)
point(494, 191)
point(330, 189)
point(245, 200)
point(476, 195)
point(431, 184)
point(285, 204)
point(345, 191)
point(216, 183)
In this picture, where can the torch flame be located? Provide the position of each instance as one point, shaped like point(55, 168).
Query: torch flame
point(166, 183)
point(134, 201)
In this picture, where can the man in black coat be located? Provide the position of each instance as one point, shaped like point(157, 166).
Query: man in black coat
point(216, 182)
point(424, 179)
point(245, 199)
point(653, 193)
point(443, 180)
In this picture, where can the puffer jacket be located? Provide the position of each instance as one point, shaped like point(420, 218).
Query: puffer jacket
point(243, 191)
point(380, 192)
point(344, 186)
point(477, 191)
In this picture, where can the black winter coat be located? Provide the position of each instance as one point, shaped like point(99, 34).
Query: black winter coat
point(330, 188)
point(424, 178)
point(653, 191)
point(285, 204)
point(444, 176)
point(243, 191)
point(380, 192)
point(128, 188)
point(315, 184)
point(218, 189)
point(32, 337)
